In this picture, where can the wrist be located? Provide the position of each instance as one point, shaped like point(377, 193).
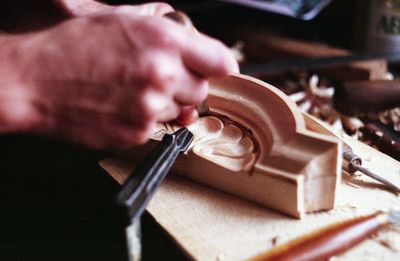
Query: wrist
point(17, 110)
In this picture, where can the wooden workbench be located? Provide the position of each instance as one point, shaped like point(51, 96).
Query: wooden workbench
point(211, 225)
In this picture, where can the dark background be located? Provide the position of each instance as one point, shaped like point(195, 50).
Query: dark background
point(56, 203)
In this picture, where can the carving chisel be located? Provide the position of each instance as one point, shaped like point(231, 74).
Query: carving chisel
point(141, 185)
point(331, 240)
point(351, 161)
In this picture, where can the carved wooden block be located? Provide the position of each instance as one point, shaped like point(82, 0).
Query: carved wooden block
point(255, 144)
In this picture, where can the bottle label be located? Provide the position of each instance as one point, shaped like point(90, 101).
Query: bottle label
point(384, 26)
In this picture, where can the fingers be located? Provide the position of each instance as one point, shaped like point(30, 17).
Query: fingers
point(158, 9)
point(200, 54)
point(157, 107)
point(207, 57)
point(193, 90)
point(153, 66)
point(173, 79)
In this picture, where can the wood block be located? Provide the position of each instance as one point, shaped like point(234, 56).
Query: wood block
point(255, 145)
point(211, 225)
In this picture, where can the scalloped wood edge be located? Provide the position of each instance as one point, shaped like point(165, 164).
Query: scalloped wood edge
point(297, 170)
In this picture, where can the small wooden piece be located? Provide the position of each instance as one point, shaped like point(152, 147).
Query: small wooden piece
point(256, 146)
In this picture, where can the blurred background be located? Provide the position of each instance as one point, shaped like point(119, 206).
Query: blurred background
point(338, 63)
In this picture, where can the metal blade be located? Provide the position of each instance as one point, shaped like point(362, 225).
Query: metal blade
point(203, 108)
point(379, 178)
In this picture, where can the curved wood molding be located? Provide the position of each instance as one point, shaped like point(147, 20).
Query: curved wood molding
point(256, 145)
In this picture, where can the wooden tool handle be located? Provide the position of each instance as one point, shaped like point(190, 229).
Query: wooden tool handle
point(367, 96)
point(328, 241)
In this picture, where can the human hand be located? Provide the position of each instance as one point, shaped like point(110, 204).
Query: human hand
point(104, 81)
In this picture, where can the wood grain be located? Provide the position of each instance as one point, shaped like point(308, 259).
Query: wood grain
point(277, 162)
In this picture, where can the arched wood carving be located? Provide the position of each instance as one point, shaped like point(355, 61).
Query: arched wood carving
point(256, 145)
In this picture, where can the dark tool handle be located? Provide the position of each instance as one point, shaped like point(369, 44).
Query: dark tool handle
point(366, 96)
point(147, 177)
point(329, 241)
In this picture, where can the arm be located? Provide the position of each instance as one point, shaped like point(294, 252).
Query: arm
point(105, 80)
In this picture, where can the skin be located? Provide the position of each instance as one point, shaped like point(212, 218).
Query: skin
point(105, 75)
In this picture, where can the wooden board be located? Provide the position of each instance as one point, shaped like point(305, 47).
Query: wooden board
point(256, 145)
point(211, 225)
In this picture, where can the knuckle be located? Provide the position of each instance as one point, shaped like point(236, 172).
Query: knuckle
point(162, 7)
point(146, 111)
point(160, 74)
point(170, 35)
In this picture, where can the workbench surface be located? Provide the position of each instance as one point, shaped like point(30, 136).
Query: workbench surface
point(211, 225)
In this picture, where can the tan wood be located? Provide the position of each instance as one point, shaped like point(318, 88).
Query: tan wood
point(256, 146)
point(212, 225)
point(208, 224)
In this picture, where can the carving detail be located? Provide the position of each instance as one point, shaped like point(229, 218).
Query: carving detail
point(258, 130)
point(220, 141)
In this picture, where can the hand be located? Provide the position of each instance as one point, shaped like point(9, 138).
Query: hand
point(105, 81)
